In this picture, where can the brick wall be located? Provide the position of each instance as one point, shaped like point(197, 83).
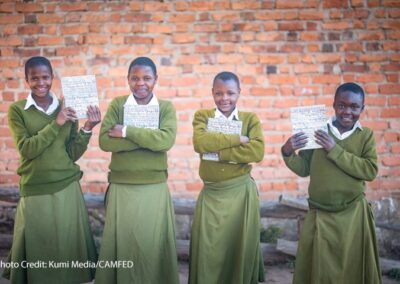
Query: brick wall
point(287, 53)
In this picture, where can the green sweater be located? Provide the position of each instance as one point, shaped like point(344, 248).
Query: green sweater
point(338, 177)
point(47, 151)
point(234, 157)
point(141, 157)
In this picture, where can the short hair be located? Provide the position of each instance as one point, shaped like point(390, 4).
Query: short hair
point(226, 76)
point(350, 87)
point(37, 61)
point(143, 61)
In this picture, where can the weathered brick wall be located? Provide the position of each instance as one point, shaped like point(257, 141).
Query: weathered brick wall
point(287, 53)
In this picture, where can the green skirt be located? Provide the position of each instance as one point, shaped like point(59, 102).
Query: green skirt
point(338, 247)
point(225, 240)
point(51, 234)
point(139, 227)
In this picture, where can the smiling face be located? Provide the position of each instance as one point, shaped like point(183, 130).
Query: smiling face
point(39, 78)
point(141, 80)
point(348, 106)
point(225, 94)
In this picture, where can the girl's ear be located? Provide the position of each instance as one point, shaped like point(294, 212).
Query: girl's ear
point(362, 108)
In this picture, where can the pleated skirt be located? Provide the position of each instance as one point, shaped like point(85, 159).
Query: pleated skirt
point(338, 247)
point(225, 240)
point(50, 233)
point(139, 227)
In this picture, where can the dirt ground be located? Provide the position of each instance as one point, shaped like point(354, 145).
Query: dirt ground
point(281, 274)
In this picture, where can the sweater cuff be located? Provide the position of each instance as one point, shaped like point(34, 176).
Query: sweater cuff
point(335, 153)
point(235, 140)
point(55, 127)
point(85, 132)
point(131, 132)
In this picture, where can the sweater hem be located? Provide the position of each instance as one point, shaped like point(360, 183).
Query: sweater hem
point(49, 188)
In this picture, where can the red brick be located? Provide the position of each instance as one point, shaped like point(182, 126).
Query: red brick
point(156, 6)
point(159, 29)
point(391, 112)
point(96, 17)
point(183, 38)
point(391, 161)
point(202, 6)
point(335, 25)
point(288, 4)
point(138, 40)
point(50, 19)
point(390, 89)
point(73, 7)
point(9, 63)
point(357, 3)
point(326, 79)
point(179, 18)
point(226, 16)
point(391, 3)
point(11, 19)
point(44, 40)
point(306, 68)
point(334, 4)
point(28, 7)
point(135, 6)
point(289, 48)
point(291, 26)
point(207, 48)
point(394, 101)
point(7, 7)
point(259, 91)
point(395, 148)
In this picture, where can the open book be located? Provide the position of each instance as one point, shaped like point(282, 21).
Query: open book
point(80, 92)
point(142, 116)
point(309, 119)
point(224, 126)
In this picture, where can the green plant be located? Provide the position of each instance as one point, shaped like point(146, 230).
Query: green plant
point(271, 234)
point(394, 273)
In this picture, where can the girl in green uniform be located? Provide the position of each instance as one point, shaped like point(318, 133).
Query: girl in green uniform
point(225, 240)
point(139, 224)
point(337, 242)
point(51, 227)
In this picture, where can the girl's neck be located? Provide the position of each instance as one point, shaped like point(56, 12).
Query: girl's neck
point(43, 102)
point(341, 129)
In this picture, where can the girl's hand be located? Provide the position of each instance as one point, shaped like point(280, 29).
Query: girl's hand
point(94, 117)
point(116, 131)
point(244, 139)
point(65, 114)
point(297, 141)
point(325, 140)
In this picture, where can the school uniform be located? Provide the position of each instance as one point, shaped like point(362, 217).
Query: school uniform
point(51, 223)
point(140, 223)
point(337, 241)
point(225, 239)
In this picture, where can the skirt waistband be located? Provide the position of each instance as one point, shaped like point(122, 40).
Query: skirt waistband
point(337, 207)
point(227, 184)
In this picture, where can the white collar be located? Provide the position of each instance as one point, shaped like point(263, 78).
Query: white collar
point(343, 135)
point(31, 102)
point(234, 114)
point(132, 101)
